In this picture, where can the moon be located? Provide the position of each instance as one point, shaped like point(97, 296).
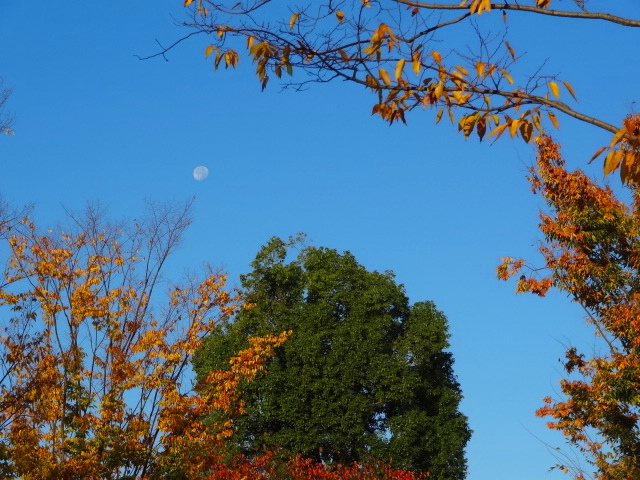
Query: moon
point(200, 173)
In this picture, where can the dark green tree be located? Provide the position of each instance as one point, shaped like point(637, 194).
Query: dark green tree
point(363, 376)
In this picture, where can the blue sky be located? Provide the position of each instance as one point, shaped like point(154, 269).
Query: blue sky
point(95, 123)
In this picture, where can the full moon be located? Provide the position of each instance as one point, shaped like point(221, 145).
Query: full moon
point(200, 173)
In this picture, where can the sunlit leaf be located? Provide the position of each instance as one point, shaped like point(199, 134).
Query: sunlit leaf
point(597, 154)
point(208, 51)
point(553, 86)
point(293, 20)
point(436, 56)
point(340, 16)
point(384, 76)
point(612, 161)
point(618, 136)
point(554, 119)
point(507, 76)
point(569, 88)
point(399, 69)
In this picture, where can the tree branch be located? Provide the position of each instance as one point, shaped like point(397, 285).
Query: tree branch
point(626, 22)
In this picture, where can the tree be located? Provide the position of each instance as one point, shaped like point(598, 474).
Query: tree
point(387, 47)
point(6, 120)
point(94, 359)
point(364, 374)
point(592, 252)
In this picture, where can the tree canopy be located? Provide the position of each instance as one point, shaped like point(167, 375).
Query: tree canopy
point(364, 374)
point(93, 356)
point(592, 252)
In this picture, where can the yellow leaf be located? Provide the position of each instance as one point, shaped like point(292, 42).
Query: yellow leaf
point(436, 56)
point(553, 86)
point(513, 127)
point(554, 119)
point(293, 20)
point(384, 76)
point(536, 122)
point(462, 70)
point(250, 40)
point(187, 2)
point(416, 62)
point(439, 115)
point(485, 6)
point(612, 161)
point(439, 89)
point(570, 90)
point(506, 76)
point(499, 130)
point(399, 69)
point(617, 137)
point(366, 3)
point(467, 124)
point(480, 68)
point(340, 16)
point(597, 154)
point(208, 51)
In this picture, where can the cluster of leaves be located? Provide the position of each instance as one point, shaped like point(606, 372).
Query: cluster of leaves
point(91, 376)
point(364, 374)
point(268, 466)
point(387, 46)
point(592, 252)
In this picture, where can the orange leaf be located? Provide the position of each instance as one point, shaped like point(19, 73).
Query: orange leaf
point(612, 162)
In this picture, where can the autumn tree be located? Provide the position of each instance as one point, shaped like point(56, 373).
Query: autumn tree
point(364, 375)
point(592, 252)
point(413, 54)
point(95, 349)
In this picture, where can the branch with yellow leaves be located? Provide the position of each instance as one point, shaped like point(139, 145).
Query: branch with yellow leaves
point(627, 22)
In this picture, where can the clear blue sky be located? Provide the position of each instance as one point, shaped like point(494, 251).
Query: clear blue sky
point(95, 123)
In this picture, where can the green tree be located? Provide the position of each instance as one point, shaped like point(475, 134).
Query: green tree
point(364, 374)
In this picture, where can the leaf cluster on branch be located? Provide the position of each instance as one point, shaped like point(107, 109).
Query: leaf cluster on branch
point(410, 54)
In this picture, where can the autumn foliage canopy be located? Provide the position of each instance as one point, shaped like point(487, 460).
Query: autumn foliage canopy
point(95, 351)
point(591, 252)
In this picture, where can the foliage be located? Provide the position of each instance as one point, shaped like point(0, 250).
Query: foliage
point(592, 252)
point(363, 374)
point(387, 47)
point(92, 368)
